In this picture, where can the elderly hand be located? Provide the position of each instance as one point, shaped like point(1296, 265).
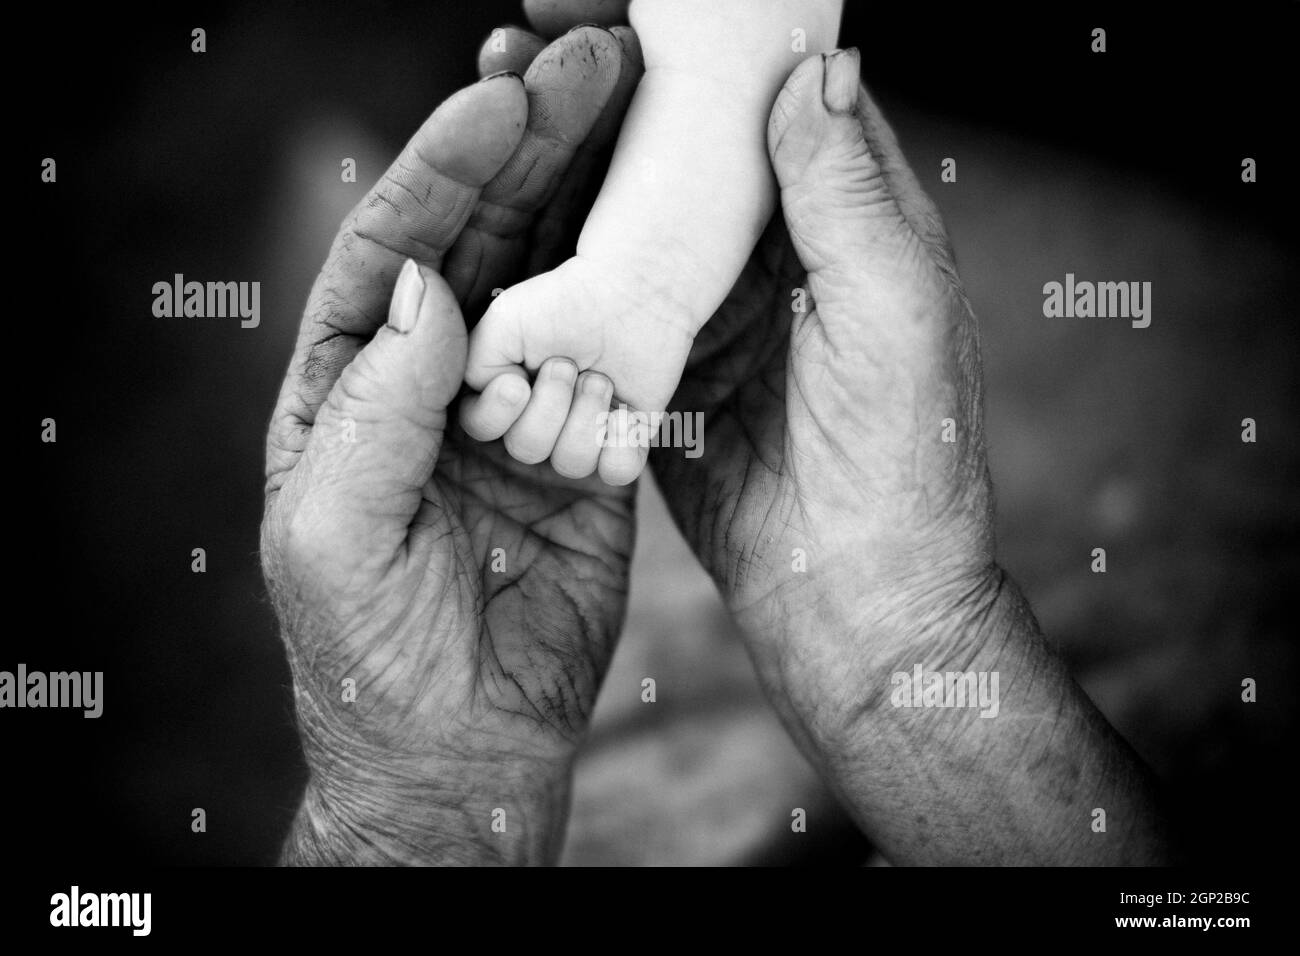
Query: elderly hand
point(844, 507)
point(448, 613)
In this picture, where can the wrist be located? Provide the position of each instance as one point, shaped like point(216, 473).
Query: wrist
point(455, 797)
point(972, 712)
point(454, 803)
point(452, 815)
point(836, 647)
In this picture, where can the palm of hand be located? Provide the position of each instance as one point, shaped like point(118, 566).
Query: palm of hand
point(509, 594)
point(801, 460)
point(741, 490)
point(546, 562)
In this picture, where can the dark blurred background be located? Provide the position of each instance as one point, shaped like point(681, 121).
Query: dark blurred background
point(225, 166)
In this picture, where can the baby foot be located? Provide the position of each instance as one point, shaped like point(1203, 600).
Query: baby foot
point(688, 193)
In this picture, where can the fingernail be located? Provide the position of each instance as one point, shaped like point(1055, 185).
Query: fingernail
point(404, 309)
point(499, 73)
point(840, 80)
point(562, 370)
point(583, 26)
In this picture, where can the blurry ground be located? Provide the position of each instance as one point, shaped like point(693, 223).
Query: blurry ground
point(1101, 436)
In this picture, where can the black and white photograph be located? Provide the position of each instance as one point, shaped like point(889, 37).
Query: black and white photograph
point(654, 434)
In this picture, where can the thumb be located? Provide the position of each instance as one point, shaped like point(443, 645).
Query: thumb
point(376, 439)
point(846, 198)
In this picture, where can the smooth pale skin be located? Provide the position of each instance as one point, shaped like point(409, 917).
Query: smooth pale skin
point(821, 435)
point(687, 196)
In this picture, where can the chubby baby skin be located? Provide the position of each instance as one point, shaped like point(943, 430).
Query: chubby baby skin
point(688, 193)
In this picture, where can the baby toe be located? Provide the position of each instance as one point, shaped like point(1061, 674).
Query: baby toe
point(532, 437)
point(496, 345)
point(626, 448)
point(578, 449)
point(488, 416)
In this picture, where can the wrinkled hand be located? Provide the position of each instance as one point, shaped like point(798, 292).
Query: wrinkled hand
point(825, 380)
point(448, 612)
point(843, 505)
point(829, 381)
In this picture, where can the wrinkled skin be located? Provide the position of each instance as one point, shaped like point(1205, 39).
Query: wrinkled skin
point(822, 426)
point(472, 685)
point(843, 505)
point(823, 445)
